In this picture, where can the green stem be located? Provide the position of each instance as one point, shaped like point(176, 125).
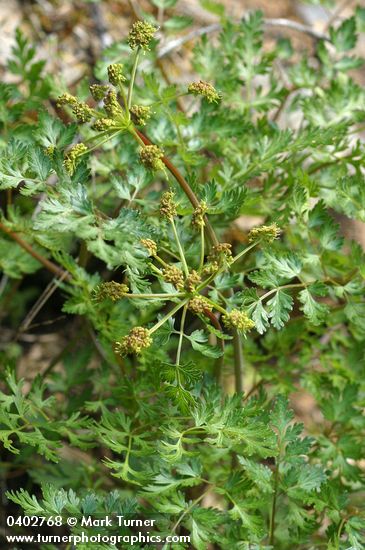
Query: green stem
point(124, 97)
point(202, 248)
point(136, 136)
point(237, 345)
point(99, 135)
point(162, 262)
point(272, 291)
point(238, 361)
point(168, 315)
point(343, 521)
point(182, 324)
point(273, 507)
point(147, 296)
point(181, 252)
point(133, 77)
point(182, 182)
point(207, 281)
point(156, 270)
point(215, 305)
point(169, 253)
point(214, 275)
point(128, 453)
point(243, 252)
point(188, 509)
point(220, 294)
point(275, 494)
point(109, 137)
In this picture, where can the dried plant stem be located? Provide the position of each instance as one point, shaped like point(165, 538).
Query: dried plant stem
point(45, 296)
point(53, 268)
point(175, 44)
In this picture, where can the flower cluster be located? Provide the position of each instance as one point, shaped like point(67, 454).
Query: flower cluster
point(198, 215)
point(192, 281)
point(239, 320)
point(50, 150)
point(265, 234)
point(72, 157)
point(112, 290)
point(199, 305)
point(141, 35)
point(204, 89)
point(173, 275)
point(115, 74)
point(66, 99)
point(111, 104)
point(140, 114)
point(150, 245)
point(98, 91)
point(80, 109)
point(137, 340)
point(103, 124)
point(210, 268)
point(167, 205)
point(220, 253)
point(150, 156)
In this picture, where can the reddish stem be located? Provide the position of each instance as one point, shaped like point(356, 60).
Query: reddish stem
point(184, 185)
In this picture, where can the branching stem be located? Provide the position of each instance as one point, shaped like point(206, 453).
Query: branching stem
point(202, 249)
point(148, 296)
point(183, 184)
point(181, 336)
point(168, 315)
point(181, 252)
point(133, 78)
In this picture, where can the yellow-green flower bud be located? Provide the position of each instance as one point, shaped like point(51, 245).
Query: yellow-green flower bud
point(173, 275)
point(103, 124)
point(72, 157)
point(140, 114)
point(198, 215)
point(150, 245)
point(98, 91)
point(204, 89)
point(111, 104)
point(137, 340)
point(221, 253)
point(150, 156)
point(264, 234)
point(199, 305)
point(50, 150)
point(115, 74)
point(167, 205)
point(210, 268)
point(66, 99)
point(111, 289)
point(239, 320)
point(141, 35)
point(192, 281)
point(82, 111)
